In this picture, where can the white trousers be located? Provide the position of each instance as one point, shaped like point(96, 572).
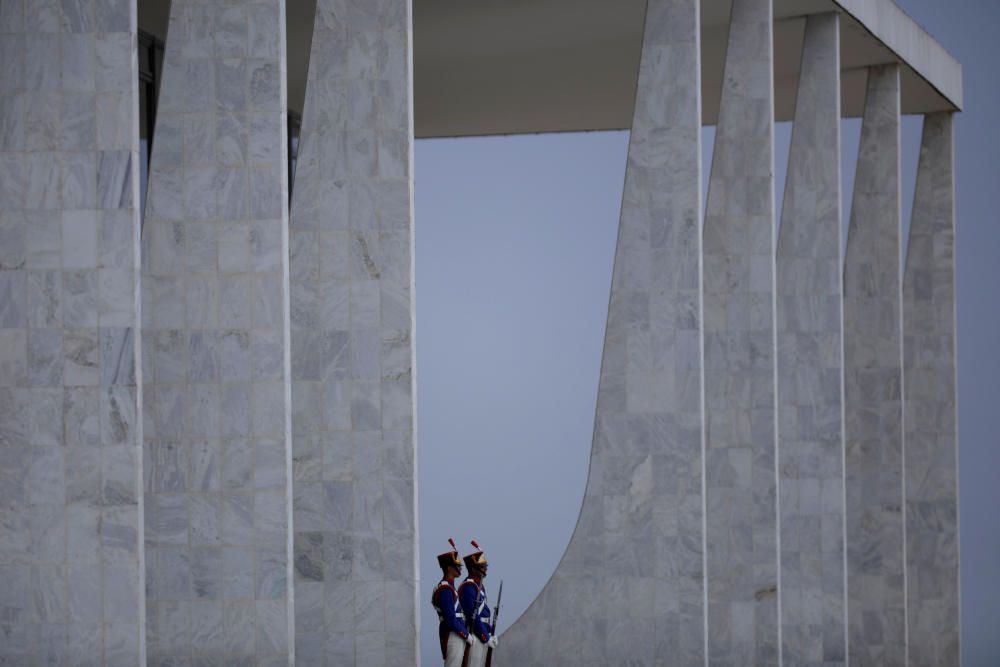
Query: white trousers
point(477, 654)
point(455, 651)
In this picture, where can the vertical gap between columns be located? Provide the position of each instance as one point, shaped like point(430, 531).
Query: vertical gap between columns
point(152, 24)
point(300, 21)
point(902, 366)
point(911, 131)
point(707, 150)
point(287, 150)
point(850, 142)
point(149, 30)
point(705, 172)
point(782, 154)
point(841, 248)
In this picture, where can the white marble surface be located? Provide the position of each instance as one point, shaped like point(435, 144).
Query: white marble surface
point(266, 340)
point(872, 386)
point(351, 235)
point(739, 265)
point(810, 381)
point(70, 502)
point(214, 309)
point(630, 587)
point(930, 433)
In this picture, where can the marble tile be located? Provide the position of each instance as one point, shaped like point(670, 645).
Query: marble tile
point(73, 122)
point(79, 239)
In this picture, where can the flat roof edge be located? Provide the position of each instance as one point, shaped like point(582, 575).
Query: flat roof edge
point(911, 43)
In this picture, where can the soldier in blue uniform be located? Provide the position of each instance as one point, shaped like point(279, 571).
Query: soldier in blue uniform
point(472, 596)
point(451, 629)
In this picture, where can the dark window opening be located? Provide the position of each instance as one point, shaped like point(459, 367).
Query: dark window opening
point(150, 67)
point(294, 131)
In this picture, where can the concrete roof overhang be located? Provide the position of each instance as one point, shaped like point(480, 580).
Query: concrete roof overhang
point(485, 67)
point(523, 66)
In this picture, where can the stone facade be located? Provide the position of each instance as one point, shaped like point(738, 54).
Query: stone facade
point(739, 261)
point(207, 429)
point(810, 380)
point(642, 512)
point(351, 344)
point(803, 515)
point(930, 431)
point(214, 302)
point(70, 504)
point(872, 385)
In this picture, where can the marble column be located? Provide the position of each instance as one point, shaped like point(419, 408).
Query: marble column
point(810, 380)
point(351, 247)
point(930, 433)
point(739, 261)
point(214, 306)
point(70, 505)
point(629, 589)
point(872, 384)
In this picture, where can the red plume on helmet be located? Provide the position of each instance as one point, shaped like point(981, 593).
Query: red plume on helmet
point(450, 558)
point(477, 559)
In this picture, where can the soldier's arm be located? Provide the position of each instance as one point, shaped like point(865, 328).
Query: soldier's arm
point(483, 624)
point(446, 603)
point(468, 595)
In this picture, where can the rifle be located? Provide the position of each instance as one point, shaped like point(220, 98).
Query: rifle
point(493, 630)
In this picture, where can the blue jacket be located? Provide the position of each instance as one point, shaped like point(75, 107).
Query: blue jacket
point(472, 596)
point(445, 601)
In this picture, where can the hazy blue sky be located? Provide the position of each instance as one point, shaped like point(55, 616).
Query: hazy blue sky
point(515, 241)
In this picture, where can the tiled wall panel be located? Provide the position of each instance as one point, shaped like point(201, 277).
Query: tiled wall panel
point(70, 506)
point(214, 305)
point(277, 374)
point(872, 385)
point(739, 265)
point(929, 407)
point(810, 385)
point(352, 343)
point(629, 589)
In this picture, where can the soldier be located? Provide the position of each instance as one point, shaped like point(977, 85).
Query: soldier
point(472, 595)
point(451, 630)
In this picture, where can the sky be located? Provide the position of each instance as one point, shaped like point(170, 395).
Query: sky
point(515, 239)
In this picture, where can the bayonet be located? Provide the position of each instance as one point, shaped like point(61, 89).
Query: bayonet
point(493, 631)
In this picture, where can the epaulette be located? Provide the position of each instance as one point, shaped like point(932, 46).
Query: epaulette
point(442, 584)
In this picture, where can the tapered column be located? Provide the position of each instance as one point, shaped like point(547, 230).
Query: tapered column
point(810, 384)
point(929, 407)
point(351, 343)
point(70, 506)
point(872, 384)
point(629, 589)
point(214, 319)
point(740, 482)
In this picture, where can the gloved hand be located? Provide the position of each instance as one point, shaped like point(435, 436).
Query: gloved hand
point(492, 643)
point(469, 639)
